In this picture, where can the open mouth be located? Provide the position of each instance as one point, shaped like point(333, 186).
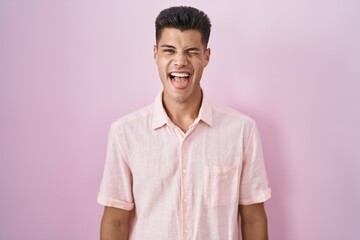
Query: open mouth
point(180, 80)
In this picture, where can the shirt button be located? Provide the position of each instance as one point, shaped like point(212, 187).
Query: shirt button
point(185, 200)
point(184, 171)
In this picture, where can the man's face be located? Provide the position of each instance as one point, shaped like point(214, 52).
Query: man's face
point(181, 59)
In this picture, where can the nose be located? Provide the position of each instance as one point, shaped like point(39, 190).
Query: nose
point(180, 60)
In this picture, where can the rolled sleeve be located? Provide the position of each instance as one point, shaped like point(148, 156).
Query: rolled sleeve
point(254, 184)
point(116, 185)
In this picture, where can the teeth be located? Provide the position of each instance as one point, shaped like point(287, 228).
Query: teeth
point(179, 74)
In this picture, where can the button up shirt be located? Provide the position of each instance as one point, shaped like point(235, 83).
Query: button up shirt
point(184, 185)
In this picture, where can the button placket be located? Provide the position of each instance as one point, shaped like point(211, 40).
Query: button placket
point(184, 182)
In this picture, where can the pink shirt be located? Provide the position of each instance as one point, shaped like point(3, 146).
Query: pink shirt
point(184, 186)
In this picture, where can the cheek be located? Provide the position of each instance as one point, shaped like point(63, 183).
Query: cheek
point(162, 68)
point(200, 65)
point(162, 62)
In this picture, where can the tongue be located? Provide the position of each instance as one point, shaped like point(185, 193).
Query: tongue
point(180, 83)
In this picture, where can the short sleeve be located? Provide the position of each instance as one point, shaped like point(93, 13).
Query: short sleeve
point(116, 184)
point(254, 185)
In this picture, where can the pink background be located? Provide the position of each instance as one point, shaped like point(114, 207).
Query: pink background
point(70, 68)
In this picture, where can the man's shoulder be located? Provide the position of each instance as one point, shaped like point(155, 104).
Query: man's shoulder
point(136, 117)
point(230, 113)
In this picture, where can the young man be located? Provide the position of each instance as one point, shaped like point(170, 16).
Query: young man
point(183, 168)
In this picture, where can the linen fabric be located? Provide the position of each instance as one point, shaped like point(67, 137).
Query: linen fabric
point(184, 185)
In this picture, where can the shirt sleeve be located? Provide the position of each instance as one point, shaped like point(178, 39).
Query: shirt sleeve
point(254, 185)
point(116, 184)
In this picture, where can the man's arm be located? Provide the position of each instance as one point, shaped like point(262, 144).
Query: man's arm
point(253, 222)
point(115, 224)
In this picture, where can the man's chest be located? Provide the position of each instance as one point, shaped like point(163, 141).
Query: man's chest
point(201, 164)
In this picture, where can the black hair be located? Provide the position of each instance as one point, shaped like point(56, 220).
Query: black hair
point(183, 18)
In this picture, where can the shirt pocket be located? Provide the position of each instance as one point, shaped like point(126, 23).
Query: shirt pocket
point(221, 185)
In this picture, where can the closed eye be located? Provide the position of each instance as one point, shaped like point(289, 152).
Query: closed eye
point(193, 51)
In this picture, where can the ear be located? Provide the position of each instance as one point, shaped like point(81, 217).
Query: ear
point(155, 49)
point(207, 56)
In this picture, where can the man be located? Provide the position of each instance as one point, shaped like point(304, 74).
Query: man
point(183, 168)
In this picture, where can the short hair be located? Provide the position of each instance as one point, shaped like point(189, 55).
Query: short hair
point(183, 18)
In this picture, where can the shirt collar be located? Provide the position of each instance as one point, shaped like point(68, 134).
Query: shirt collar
point(160, 118)
point(205, 113)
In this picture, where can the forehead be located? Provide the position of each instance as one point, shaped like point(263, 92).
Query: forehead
point(178, 38)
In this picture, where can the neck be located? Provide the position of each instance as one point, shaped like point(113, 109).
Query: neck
point(183, 114)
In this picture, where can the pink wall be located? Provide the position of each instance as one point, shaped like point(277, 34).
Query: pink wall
point(70, 68)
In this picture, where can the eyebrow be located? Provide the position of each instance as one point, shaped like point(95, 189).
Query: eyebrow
point(188, 49)
point(167, 46)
